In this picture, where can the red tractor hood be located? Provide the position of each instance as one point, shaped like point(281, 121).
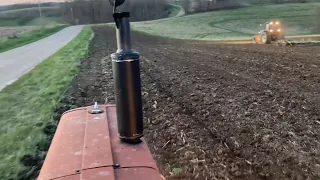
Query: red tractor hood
point(86, 147)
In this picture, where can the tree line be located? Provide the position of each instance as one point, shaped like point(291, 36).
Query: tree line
point(100, 11)
point(196, 6)
point(87, 11)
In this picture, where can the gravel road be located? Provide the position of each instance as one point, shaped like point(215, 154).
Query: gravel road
point(17, 62)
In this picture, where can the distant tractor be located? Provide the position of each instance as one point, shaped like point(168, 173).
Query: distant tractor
point(273, 32)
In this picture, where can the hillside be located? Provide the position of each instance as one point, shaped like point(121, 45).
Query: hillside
point(30, 16)
point(85, 12)
point(241, 23)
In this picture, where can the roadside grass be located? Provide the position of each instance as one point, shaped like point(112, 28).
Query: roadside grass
point(27, 110)
point(26, 38)
point(241, 23)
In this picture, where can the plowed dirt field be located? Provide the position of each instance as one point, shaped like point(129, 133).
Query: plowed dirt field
point(218, 111)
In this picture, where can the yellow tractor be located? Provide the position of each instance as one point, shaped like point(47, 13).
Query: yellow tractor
point(273, 32)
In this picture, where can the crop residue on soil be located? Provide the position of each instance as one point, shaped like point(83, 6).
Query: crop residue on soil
point(218, 111)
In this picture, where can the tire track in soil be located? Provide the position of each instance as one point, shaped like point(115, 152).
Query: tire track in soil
point(271, 74)
point(246, 77)
point(234, 154)
point(191, 118)
point(201, 117)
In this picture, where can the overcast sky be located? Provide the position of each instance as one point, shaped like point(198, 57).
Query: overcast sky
point(6, 2)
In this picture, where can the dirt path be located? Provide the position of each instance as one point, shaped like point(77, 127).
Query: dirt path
point(219, 111)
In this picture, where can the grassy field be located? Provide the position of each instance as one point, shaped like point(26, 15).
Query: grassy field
point(30, 16)
point(8, 23)
point(242, 23)
point(27, 108)
point(26, 38)
point(44, 21)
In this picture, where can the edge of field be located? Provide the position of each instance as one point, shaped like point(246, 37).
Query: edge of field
point(31, 103)
point(313, 38)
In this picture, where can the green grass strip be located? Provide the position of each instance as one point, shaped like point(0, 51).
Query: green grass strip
point(27, 38)
point(27, 109)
